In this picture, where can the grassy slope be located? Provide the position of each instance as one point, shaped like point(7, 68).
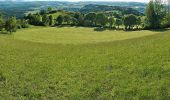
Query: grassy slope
point(75, 35)
point(136, 68)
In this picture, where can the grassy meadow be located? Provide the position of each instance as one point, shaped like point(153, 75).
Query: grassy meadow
point(80, 63)
point(75, 35)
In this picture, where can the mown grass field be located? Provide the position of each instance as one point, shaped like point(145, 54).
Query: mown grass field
point(79, 63)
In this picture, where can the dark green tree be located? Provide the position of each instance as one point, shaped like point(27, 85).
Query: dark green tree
point(130, 21)
point(67, 19)
point(111, 21)
point(118, 22)
point(154, 14)
point(60, 19)
point(11, 25)
point(138, 22)
point(91, 17)
point(78, 18)
point(50, 9)
point(45, 20)
point(101, 19)
point(43, 12)
point(51, 20)
point(24, 23)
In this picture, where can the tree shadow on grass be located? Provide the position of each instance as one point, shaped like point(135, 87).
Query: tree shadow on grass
point(99, 29)
point(160, 30)
point(3, 32)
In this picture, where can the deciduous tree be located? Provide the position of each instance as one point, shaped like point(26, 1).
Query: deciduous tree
point(101, 19)
point(60, 20)
point(91, 17)
point(11, 25)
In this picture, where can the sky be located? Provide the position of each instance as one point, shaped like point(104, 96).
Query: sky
point(82, 0)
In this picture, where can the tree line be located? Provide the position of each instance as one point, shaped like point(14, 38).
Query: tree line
point(157, 15)
point(12, 24)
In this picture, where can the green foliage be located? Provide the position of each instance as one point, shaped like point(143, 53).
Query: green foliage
point(90, 17)
point(138, 22)
point(45, 20)
point(67, 19)
point(118, 22)
point(60, 20)
point(51, 21)
point(24, 23)
point(130, 21)
point(101, 19)
point(34, 19)
point(111, 21)
point(154, 14)
point(50, 9)
point(166, 21)
point(78, 19)
point(11, 25)
point(43, 12)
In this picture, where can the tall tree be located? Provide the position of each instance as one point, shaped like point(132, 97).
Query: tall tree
point(45, 20)
point(111, 21)
point(130, 21)
point(11, 24)
point(154, 14)
point(101, 19)
point(138, 22)
point(67, 19)
point(51, 21)
point(91, 17)
point(118, 22)
point(78, 18)
point(59, 19)
point(24, 23)
point(43, 12)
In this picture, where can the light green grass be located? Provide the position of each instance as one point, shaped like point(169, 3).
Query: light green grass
point(73, 35)
point(136, 68)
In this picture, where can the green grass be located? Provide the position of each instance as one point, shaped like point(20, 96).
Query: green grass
point(38, 64)
point(73, 35)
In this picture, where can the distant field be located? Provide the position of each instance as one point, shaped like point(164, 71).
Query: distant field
point(36, 63)
point(75, 35)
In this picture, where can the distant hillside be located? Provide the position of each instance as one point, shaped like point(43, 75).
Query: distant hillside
point(102, 8)
point(18, 9)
